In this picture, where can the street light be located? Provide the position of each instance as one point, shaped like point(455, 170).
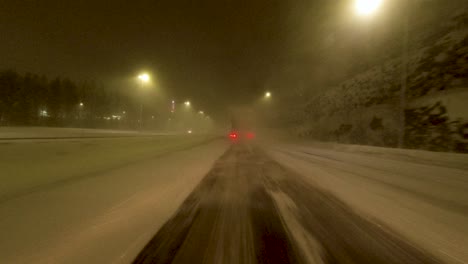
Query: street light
point(81, 104)
point(201, 112)
point(143, 78)
point(267, 95)
point(187, 103)
point(367, 7)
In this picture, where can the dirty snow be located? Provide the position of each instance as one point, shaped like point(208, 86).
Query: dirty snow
point(422, 195)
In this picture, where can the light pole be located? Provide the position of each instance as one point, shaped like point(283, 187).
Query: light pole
point(404, 77)
point(80, 113)
point(143, 78)
point(368, 7)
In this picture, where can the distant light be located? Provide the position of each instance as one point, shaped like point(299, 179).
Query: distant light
point(187, 103)
point(144, 77)
point(189, 131)
point(367, 7)
point(173, 101)
point(267, 94)
point(152, 117)
point(123, 112)
point(81, 104)
point(233, 135)
point(201, 112)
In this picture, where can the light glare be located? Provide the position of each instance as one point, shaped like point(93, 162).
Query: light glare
point(144, 77)
point(367, 7)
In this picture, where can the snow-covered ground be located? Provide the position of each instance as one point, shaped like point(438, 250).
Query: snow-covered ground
point(58, 132)
point(94, 201)
point(61, 132)
point(101, 200)
point(422, 195)
point(28, 165)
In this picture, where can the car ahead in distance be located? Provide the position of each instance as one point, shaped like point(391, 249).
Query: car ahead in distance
point(243, 124)
point(241, 135)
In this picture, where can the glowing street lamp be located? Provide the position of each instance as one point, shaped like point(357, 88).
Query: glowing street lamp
point(81, 104)
point(144, 77)
point(367, 7)
point(187, 103)
point(267, 95)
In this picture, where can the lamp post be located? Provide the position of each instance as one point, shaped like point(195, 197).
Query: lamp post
point(80, 113)
point(404, 77)
point(143, 78)
point(368, 7)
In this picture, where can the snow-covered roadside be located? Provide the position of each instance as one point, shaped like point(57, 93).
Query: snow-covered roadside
point(103, 219)
point(65, 132)
point(427, 203)
point(53, 132)
point(444, 159)
point(29, 165)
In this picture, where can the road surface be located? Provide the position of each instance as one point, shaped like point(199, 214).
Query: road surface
point(250, 209)
point(205, 200)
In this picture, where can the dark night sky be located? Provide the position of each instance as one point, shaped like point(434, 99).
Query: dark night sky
point(213, 52)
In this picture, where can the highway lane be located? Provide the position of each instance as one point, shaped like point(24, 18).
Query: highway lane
point(103, 217)
point(422, 195)
point(251, 209)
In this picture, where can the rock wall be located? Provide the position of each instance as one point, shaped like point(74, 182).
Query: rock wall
point(364, 108)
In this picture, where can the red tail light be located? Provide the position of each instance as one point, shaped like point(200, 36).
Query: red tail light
point(233, 135)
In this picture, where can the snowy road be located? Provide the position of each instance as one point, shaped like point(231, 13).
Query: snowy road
point(213, 203)
point(250, 209)
point(419, 194)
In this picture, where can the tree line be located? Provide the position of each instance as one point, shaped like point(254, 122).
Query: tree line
point(31, 99)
